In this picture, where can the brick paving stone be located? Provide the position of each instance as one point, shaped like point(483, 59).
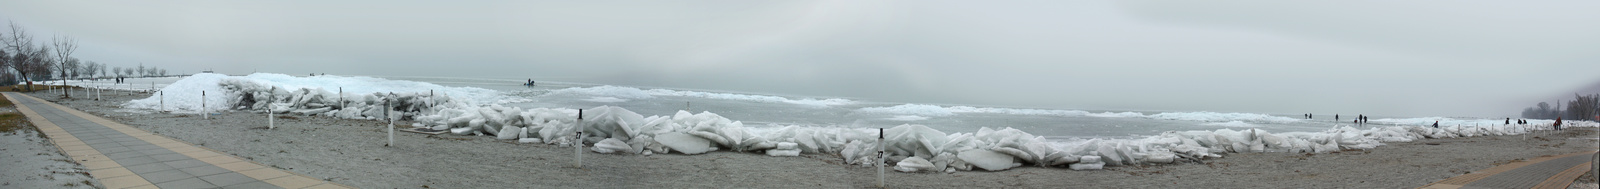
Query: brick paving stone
point(138, 159)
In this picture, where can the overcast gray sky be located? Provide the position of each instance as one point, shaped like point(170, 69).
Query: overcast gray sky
point(1401, 58)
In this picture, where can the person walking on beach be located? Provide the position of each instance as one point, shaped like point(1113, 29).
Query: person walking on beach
point(1558, 123)
point(1335, 117)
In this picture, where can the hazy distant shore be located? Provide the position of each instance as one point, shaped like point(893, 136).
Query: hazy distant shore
point(351, 152)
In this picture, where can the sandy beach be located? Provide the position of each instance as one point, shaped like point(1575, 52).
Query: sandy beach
point(352, 152)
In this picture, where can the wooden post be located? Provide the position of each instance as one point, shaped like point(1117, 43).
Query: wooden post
point(203, 113)
point(162, 95)
point(386, 109)
point(577, 143)
point(270, 113)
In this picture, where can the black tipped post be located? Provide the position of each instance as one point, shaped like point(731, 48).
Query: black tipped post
point(880, 158)
point(580, 114)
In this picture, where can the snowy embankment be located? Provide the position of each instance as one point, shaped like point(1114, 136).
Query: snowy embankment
point(910, 148)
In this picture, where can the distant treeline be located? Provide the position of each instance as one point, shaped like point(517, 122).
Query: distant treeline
point(30, 60)
point(1583, 107)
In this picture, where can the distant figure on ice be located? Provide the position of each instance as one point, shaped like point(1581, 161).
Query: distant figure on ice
point(1508, 121)
point(1335, 117)
point(529, 83)
point(1436, 124)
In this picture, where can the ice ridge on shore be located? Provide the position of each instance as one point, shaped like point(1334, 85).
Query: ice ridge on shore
point(910, 147)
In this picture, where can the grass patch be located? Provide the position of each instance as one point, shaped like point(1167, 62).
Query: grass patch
point(11, 121)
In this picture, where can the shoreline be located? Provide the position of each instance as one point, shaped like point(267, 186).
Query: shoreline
point(351, 152)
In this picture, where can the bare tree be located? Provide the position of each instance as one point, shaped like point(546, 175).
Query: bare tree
point(1583, 107)
point(64, 47)
point(117, 71)
point(163, 72)
point(128, 71)
point(140, 70)
point(103, 70)
point(6, 78)
point(39, 63)
point(85, 69)
point(74, 68)
point(21, 45)
point(92, 69)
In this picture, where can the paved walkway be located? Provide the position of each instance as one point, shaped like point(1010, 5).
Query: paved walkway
point(1542, 172)
point(125, 157)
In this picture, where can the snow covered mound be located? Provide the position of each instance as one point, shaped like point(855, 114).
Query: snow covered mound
point(915, 148)
point(224, 92)
point(617, 94)
point(185, 94)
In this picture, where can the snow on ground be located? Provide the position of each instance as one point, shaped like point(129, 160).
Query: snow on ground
point(29, 161)
point(185, 94)
point(916, 148)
